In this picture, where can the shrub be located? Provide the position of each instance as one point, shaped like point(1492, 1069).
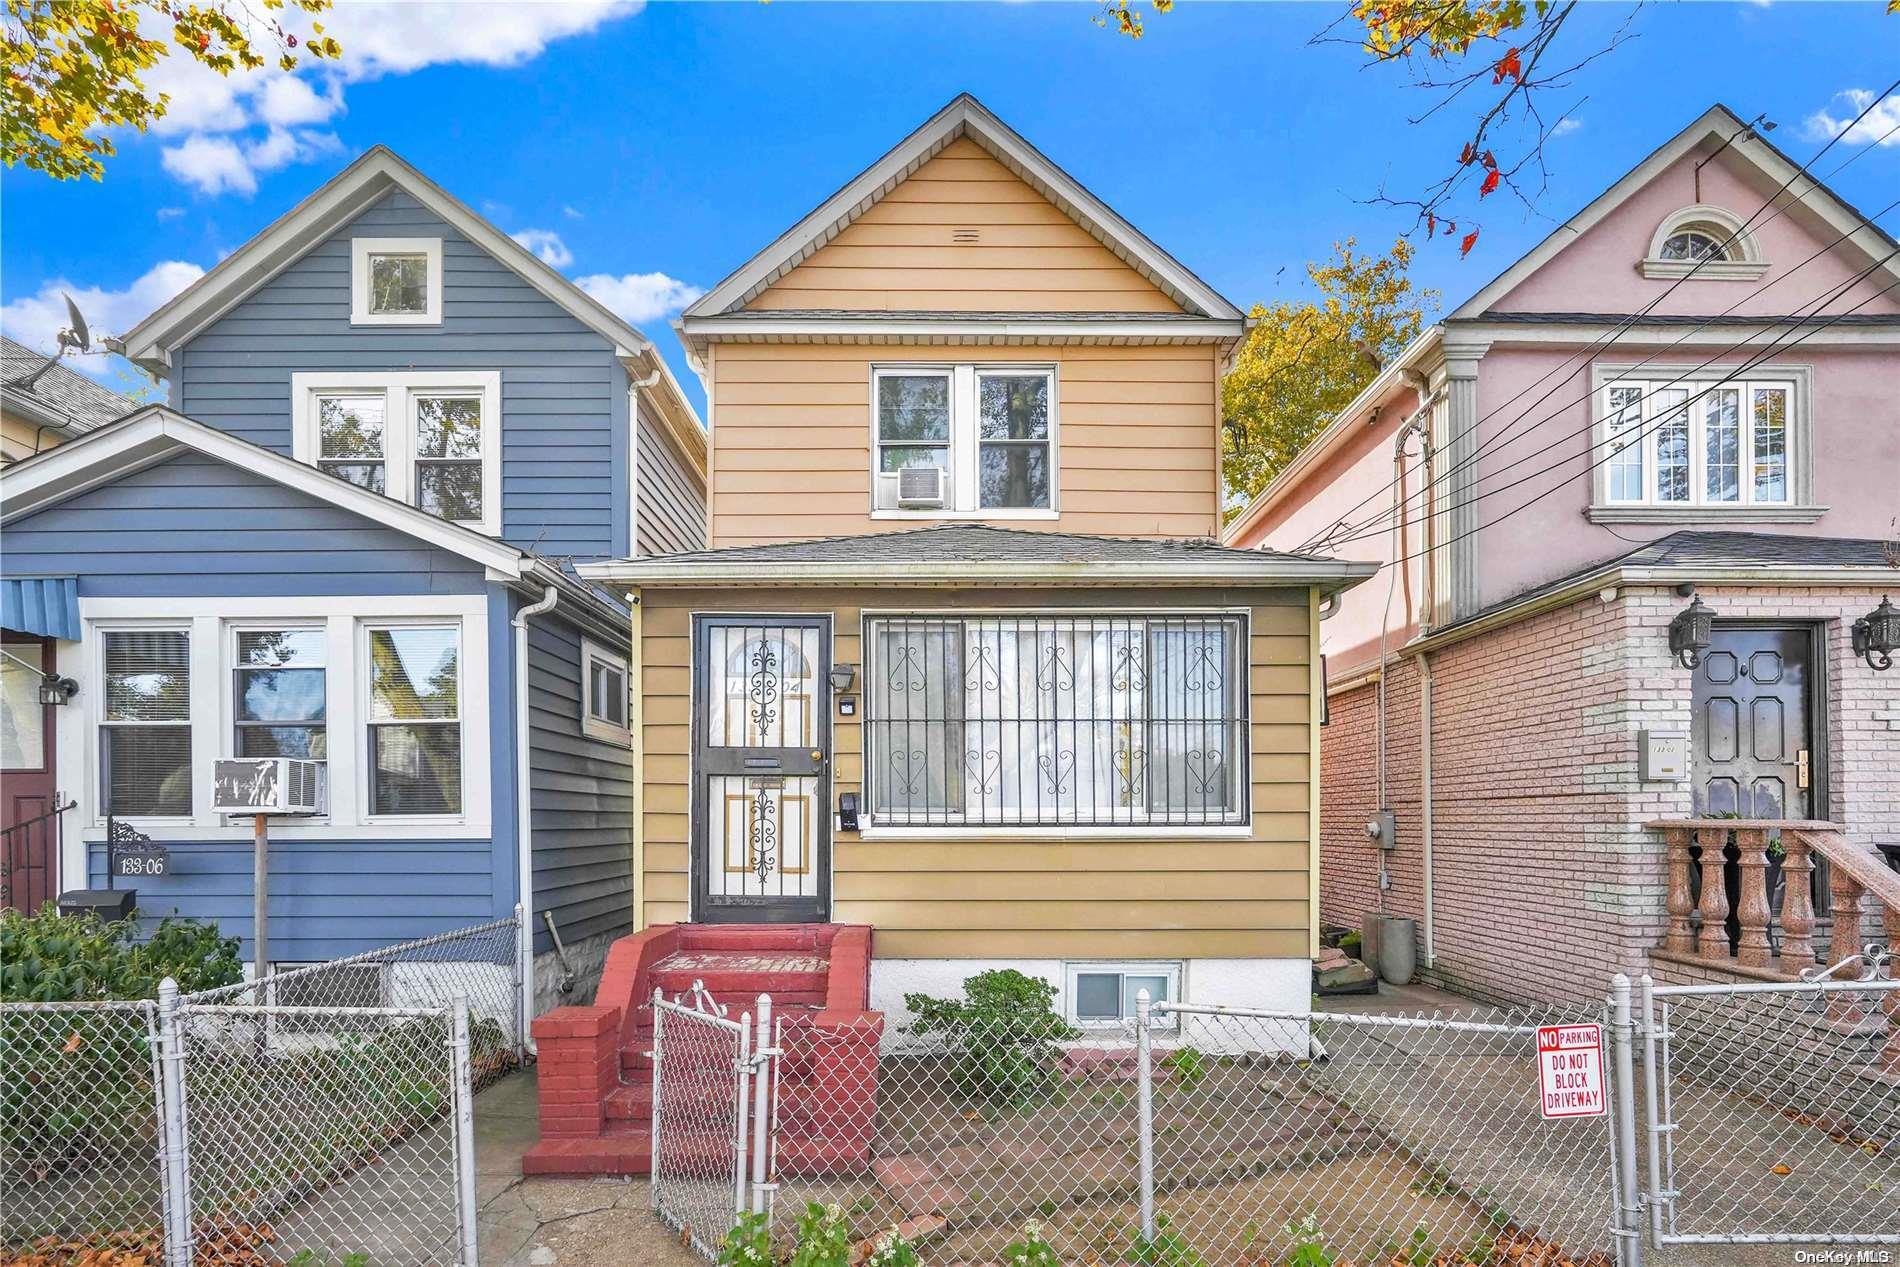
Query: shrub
point(1005, 1030)
point(1031, 1249)
point(748, 1244)
point(823, 1236)
point(50, 958)
point(1167, 1249)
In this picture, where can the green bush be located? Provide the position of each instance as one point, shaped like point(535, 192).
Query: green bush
point(51, 958)
point(1005, 1032)
point(824, 1237)
point(748, 1244)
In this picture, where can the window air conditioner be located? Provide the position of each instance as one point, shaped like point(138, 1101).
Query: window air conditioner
point(268, 785)
point(920, 487)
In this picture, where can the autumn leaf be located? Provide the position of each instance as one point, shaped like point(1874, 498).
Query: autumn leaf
point(1780, 1168)
point(73, 1043)
point(1471, 240)
point(1489, 160)
point(1490, 183)
point(1509, 65)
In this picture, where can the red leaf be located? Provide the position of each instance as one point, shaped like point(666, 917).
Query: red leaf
point(1431, 225)
point(1451, 227)
point(1509, 64)
point(1465, 156)
point(1471, 240)
point(1490, 183)
point(1488, 160)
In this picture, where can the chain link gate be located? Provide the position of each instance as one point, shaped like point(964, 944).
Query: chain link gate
point(1773, 1112)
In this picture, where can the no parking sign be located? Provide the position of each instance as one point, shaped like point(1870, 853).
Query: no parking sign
point(1570, 1070)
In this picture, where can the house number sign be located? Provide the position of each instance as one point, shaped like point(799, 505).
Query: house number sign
point(135, 861)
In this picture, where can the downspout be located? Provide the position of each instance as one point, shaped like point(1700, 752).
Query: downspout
point(1425, 794)
point(636, 727)
point(524, 812)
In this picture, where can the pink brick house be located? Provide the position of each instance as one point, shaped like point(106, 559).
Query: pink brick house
point(1686, 389)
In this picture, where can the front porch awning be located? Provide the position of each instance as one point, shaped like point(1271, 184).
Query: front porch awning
point(45, 606)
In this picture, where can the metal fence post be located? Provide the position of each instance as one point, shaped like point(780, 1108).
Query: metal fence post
point(523, 984)
point(1651, 1107)
point(762, 1055)
point(653, 1148)
point(173, 1159)
point(463, 1091)
point(1145, 1111)
point(1629, 1219)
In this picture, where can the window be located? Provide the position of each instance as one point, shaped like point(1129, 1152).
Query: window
point(1711, 242)
point(1055, 720)
point(604, 689)
point(431, 439)
point(1704, 444)
point(1694, 244)
point(22, 716)
point(989, 429)
point(414, 720)
point(395, 281)
point(279, 693)
point(1102, 994)
point(145, 725)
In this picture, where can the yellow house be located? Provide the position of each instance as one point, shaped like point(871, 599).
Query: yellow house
point(963, 663)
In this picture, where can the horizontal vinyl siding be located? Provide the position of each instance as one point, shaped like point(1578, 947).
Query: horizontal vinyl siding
point(581, 798)
point(952, 897)
point(672, 498)
point(791, 459)
point(1029, 256)
point(563, 395)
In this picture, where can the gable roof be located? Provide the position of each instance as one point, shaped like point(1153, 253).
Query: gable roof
point(964, 117)
point(1717, 127)
point(59, 397)
point(970, 553)
point(334, 204)
point(156, 433)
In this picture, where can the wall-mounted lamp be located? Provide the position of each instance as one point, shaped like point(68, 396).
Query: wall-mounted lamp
point(1689, 633)
point(1877, 635)
point(57, 690)
point(842, 676)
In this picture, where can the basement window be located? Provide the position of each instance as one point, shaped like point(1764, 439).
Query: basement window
point(1104, 994)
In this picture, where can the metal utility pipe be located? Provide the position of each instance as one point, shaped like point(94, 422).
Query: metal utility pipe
point(524, 814)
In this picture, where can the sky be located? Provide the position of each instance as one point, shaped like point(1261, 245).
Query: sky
point(648, 151)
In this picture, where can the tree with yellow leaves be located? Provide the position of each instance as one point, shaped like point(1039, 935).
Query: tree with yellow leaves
point(1305, 360)
point(73, 70)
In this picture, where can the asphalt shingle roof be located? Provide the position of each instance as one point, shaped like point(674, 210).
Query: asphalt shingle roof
point(86, 404)
point(964, 543)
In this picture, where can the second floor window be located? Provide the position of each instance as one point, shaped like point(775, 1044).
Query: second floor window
point(989, 430)
point(1673, 443)
point(395, 281)
point(431, 439)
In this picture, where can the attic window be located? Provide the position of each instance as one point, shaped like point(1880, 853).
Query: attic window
point(396, 281)
point(1711, 242)
point(966, 235)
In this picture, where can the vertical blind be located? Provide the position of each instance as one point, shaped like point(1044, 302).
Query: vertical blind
point(1054, 720)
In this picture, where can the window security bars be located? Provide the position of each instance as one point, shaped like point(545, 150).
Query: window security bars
point(1056, 720)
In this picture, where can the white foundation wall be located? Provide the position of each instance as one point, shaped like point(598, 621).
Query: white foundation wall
point(1270, 985)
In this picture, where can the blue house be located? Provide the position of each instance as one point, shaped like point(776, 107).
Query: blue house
point(391, 433)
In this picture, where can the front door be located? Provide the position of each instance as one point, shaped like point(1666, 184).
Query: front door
point(28, 873)
point(1753, 733)
point(761, 787)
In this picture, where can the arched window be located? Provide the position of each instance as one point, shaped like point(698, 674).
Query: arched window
point(1710, 242)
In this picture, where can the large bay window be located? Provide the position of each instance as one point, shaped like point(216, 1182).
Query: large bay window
point(145, 726)
point(1056, 720)
point(432, 439)
point(1707, 444)
point(989, 429)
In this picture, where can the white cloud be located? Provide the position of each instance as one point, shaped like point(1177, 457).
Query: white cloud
point(1880, 127)
point(640, 297)
point(211, 165)
point(379, 38)
point(36, 319)
point(546, 244)
point(1565, 126)
point(572, 213)
point(170, 213)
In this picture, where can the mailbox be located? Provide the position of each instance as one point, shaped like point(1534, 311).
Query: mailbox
point(107, 904)
point(1662, 758)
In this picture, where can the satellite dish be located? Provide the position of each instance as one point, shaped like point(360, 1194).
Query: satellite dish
point(74, 338)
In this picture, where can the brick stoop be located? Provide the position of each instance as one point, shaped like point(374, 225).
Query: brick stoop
point(596, 1063)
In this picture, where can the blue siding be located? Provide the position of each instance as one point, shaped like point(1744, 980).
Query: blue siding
point(581, 792)
point(196, 527)
point(564, 420)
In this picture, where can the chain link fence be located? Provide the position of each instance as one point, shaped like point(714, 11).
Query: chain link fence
point(324, 1111)
point(1774, 1113)
point(1377, 1138)
point(702, 1103)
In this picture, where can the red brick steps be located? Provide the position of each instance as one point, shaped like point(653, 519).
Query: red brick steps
point(596, 1063)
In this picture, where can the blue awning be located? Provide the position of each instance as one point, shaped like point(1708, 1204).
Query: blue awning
point(44, 605)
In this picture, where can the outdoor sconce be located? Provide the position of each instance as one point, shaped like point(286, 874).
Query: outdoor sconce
point(57, 690)
point(1689, 633)
point(842, 676)
point(1877, 634)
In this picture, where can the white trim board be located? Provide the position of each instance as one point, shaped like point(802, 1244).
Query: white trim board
point(964, 116)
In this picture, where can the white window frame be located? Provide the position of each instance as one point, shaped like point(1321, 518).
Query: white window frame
point(401, 392)
point(1744, 262)
point(592, 724)
point(96, 722)
point(367, 721)
point(1074, 970)
point(230, 668)
point(965, 440)
point(213, 712)
point(1698, 382)
point(361, 249)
